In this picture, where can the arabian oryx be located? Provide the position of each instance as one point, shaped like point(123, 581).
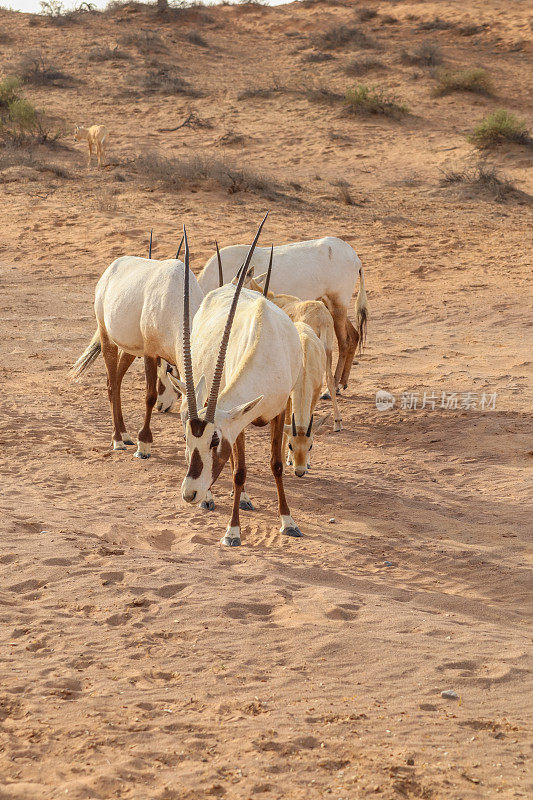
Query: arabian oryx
point(138, 307)
point(300, 425)
point(247, 353)
point(320, 269)
point(315, 314)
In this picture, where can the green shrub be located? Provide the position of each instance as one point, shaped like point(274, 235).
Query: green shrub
point(23, 115)
point(426, 54)
point(475, 80)
point(500, 126)
point(9, 91)
point(366, 100)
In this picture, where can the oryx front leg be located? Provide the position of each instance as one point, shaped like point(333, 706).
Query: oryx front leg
point(145, 438)
point(232, 537)
point(209, 503)
point(330, 381)
point(288, 525)
point(110, 354)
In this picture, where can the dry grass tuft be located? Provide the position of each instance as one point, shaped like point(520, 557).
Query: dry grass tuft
point(426, 54)
point(483, 179)
point(366, 100)
point(317, 57)
point(342, 36)
point(475, 80)
point(146, 42)
point(360, 66)
point(435, 24)
point(499, 127)
point(180, 173)
point(107, 54)
point(165, 81)
point(364, 14)
point(194, 37)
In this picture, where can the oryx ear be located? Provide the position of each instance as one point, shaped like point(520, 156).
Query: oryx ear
point(201, 392)
point(240, 411)
point(178, 385)
point(288, 429)
point(261, 278)
point(317, 426)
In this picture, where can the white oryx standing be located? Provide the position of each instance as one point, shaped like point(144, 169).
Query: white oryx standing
point(300, 425)
point(319, 269)
point(250, 368)
point(315, 314)
point(138, 307)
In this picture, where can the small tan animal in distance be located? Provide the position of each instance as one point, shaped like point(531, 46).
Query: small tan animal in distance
point(96, 135)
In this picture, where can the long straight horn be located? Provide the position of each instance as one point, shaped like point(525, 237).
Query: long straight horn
point(308, 433)
point(187, 359)
point(293, 425)
point(179, 248)
point(217, 377)
point(150, 245)
point(267, 281)
point(220, 274)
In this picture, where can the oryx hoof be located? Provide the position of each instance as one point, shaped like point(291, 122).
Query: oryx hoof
point(127, 439)
point(325, 396)
point(337, 425)
point(246, 505)
point(230, 541)
point(208, 505)
point(118, 445)
point(338, 390)
point(294, 532)
point(144, 449)
point(344, 385)
point(139, 454)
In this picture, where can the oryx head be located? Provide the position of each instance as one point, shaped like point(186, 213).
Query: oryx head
point(210, 432)
point(301, 443)
point(77, 135)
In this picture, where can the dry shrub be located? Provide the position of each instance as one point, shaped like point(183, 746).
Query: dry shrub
point(231, 139)
point(166, 81)
point(33, 69)
point(499, 127)
point(388, 19)
point(341, 36)
point(197, 170)
point(263, 92)
point(345, 196)
point(472, 28)
point(146, 42)
point(107, 54)
point(365, 14)
point(54, 12)
point(13, 156)
point(366, 100)
point(106, 202)
point(5, 38)
point(317, 57)
point(360, 66)
point(475, 80)
point(484, 179)
point(426, 54)
point(194, 37)
point(435, 24)
point(320, 94)
point(20, 122)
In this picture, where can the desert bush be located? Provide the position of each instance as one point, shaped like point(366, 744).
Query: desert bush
point(366, 100)
point(360, 66)
point(264, 92)
point(194, 37)
point(5, 38)
point(475, 80)
point(343, 35)
point(426, 54)
point(146, 42)
point(365, 14)
point(20, 122)
point(498, 127)
point(10, 90)
point(55, 12)
point(471, 29)
point(435, 24)
point(179, 173)
point(320, 94)
point(33, 69)
point(317, 57)
point(165, 81)
point(388, 19)
point(483, 179)
point(344, 194)
point(107, 54)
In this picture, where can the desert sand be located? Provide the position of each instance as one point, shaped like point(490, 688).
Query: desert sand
point(139, 659)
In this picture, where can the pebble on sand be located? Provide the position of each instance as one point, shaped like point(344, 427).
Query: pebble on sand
point(449, 694)
point(331, 520)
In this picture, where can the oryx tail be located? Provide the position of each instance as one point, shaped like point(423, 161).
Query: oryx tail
point(90, 354)
point(361, 310)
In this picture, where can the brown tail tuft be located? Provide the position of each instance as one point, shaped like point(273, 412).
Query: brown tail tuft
point(90, 354)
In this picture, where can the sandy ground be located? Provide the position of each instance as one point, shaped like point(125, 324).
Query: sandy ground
point(138, 658)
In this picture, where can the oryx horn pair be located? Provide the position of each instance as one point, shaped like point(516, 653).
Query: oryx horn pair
point(150, 245)
point(308, 432)
point(187, 359)
point(267, 281)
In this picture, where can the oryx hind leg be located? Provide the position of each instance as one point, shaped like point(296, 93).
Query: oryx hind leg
point(125, 361)
point(145, 438)
point(352, 343)
point(111, 358)
point(232, 537)
point(288, 525)
point(340, 320)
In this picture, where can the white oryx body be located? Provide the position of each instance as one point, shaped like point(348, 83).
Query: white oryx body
point(300, 425)
point(139, 311)
point(247, 378)
point(317, 269)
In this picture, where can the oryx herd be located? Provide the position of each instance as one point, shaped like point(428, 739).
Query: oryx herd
point(240, 347)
